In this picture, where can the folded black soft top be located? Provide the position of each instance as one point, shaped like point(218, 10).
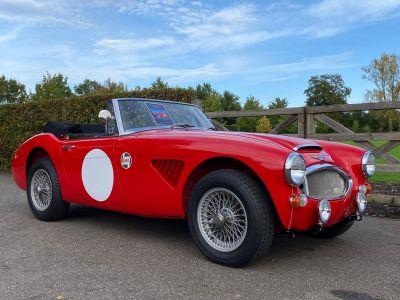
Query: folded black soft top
point(61, 129)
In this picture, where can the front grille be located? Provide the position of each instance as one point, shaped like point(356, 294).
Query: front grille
point(326, 181)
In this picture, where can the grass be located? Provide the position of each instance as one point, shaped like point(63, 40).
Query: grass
point(386, 177)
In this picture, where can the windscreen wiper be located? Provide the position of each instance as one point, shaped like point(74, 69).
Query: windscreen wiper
point(182, 125)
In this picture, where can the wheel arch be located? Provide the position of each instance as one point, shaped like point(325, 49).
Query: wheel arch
point(217, 163)
point(35, 154)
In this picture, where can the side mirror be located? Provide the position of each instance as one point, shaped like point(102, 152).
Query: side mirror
point(105, 115)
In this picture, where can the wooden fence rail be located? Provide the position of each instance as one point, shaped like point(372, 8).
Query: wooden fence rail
point(306, 118)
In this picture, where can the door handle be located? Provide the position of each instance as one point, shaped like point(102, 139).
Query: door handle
point(68, 147)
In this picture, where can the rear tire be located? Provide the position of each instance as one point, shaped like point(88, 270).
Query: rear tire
point(230, 217)
point(43, 191)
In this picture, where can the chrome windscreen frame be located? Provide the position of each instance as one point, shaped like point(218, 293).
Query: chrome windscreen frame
point(118, 116)
point(319, 167)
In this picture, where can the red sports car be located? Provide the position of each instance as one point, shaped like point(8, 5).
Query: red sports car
point(235, 189)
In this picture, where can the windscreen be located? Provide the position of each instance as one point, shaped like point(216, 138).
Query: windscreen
point(139, 114)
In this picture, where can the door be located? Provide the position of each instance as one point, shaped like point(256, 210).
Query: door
point(149, 173)
point(90, 169)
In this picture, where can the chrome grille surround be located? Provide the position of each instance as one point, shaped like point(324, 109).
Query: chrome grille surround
point(329, 173)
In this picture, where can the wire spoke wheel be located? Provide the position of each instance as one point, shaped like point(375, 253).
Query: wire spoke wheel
point(222, 219)
point(41, 190)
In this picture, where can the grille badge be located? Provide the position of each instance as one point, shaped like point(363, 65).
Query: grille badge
point(321, 157)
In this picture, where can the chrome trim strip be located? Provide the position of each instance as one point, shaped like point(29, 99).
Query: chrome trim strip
point(319, 167)
point(118, 118)
point(155, 100)
point(301, 146)
point(364, 161)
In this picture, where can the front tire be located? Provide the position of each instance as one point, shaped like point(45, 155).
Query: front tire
point(230, 217)
point(44, 194)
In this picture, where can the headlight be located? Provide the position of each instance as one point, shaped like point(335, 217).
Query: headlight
point(324, 209)
point(295, 169)
point(361, 202)
point(368, 164)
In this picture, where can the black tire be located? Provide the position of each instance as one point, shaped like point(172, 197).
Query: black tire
point(258, 209)
point(57, 208)
point(334, 231)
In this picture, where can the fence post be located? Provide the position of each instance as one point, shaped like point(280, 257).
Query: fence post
point(301, 124)
point(310, 124)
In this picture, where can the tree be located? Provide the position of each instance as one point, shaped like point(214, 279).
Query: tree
point(275, 120)
point(252, 103)
point(327, 89)
point(204, 90)
point(111, 86)
point(356, 126)
point(384, 73)
point(249, 123)
point(212, 103)
point(52, 87)
point(159, 84)
point(87, 87)
point(263, 125)
point(278, 103)
point(230, 101)
point(11, 91)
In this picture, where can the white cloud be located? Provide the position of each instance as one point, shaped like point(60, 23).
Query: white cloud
point(184, 41)
point(226, 21)
point(43, 12)
point(292, 70)
point(146, 7)
point(12, 35)
point(132, 72)
point(105, 46)
point(353, 10)
point(335, 16)
point(227, 29)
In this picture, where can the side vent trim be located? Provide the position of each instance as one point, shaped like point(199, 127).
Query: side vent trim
point(169, 169)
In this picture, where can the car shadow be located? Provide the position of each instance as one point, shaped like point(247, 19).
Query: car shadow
point(175, 232)
point(122, 222)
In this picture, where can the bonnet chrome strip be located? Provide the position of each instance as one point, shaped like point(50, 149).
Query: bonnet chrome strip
point(305, 146)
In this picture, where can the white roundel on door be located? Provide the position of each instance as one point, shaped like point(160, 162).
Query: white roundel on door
point(97, 174)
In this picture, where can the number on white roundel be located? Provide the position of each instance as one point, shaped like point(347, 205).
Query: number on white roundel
point(97, 175)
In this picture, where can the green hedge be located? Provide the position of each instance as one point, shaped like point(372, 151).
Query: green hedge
point(19, 122)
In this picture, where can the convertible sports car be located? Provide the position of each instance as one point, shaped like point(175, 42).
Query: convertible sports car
point(164, 159)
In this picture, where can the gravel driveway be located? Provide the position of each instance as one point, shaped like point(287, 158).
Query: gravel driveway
point(96, 254)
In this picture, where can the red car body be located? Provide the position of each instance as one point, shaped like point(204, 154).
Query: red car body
point(165, 163)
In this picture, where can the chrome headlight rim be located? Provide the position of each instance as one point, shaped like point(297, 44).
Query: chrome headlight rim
point(361, 202)
point(325, 211)
point(291, 160)
point(365, 162)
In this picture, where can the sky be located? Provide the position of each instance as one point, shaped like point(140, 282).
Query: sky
point(266, 49)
